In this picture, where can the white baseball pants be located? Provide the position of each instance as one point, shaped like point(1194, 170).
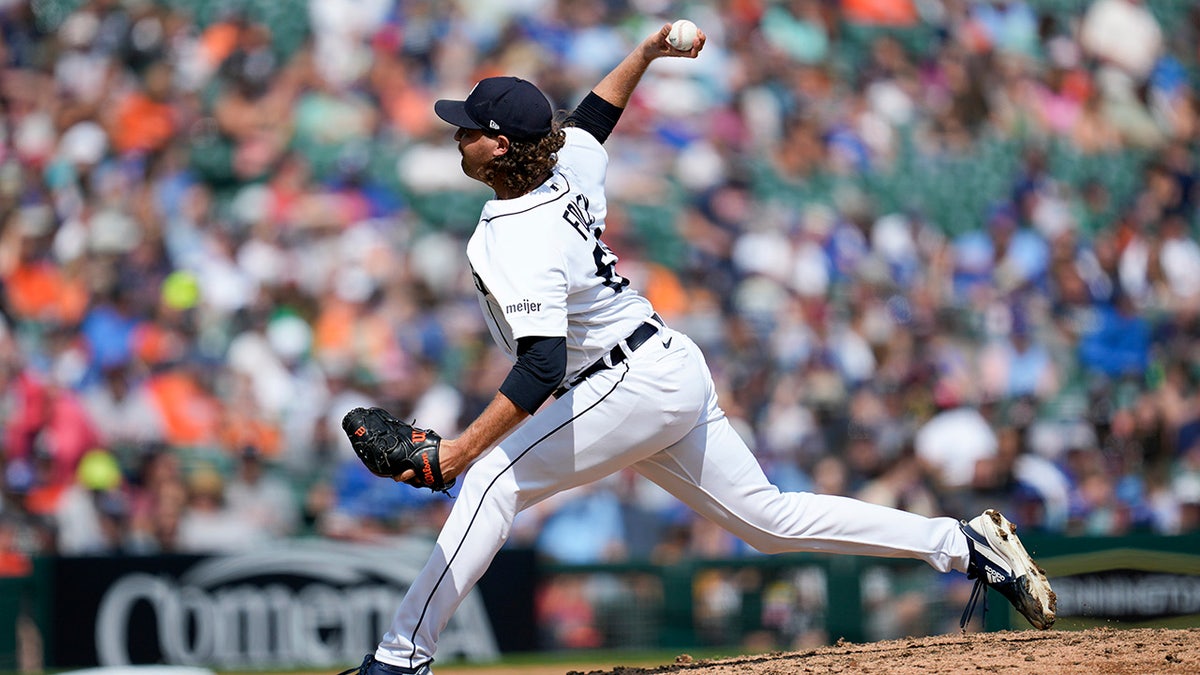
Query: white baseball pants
point(656, 412)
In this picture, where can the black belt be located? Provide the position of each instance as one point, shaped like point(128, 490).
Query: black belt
point(637, 338)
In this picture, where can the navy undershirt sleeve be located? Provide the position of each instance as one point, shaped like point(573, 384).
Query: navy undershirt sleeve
point(595, 116)
point(540, 368)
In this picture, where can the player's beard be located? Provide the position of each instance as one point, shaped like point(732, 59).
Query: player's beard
point(482, 171)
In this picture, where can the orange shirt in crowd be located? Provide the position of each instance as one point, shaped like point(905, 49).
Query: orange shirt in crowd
point(39, 291)
point(665, 291)
point(344, 331)
point(142, 124)
point(241, 428)
point(218, 41)
point(880, 12)
point(43, 500)
point(190, 416)
point(15, 564)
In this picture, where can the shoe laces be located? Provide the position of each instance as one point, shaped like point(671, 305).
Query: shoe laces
point(979, 590)
point(980, 587)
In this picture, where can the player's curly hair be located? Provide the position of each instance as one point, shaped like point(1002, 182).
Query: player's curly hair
point(527, 163)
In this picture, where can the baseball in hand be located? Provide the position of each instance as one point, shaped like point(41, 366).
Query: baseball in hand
point(682, 35)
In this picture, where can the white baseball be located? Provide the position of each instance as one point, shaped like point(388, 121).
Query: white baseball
point(682, 35)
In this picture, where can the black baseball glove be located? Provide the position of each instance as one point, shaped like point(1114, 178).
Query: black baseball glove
point(389, 447)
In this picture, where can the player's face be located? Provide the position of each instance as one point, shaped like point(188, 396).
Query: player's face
point(477, 149)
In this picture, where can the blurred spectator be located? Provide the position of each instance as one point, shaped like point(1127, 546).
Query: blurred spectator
point(880, 12)
point(51, 419)
point(159, 501)
point(582, 525)
point(1016, 364)
point(797, 28)
point(1042, 486)
point(91, 515)
point(209, 524)
point(145, 121)
point(1186, 488)
point(14, 560)
point(1119, 343)
point(902, 485)
point(225, 228)
point(567, 615)
point(1006, 257)
point(954, 442)
point(283, 382)
point(1179, 258)
point(1009, 26)
point(1123, 33)
point(263, 499)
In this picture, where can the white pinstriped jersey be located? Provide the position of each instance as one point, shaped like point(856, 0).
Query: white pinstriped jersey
point(541, 270)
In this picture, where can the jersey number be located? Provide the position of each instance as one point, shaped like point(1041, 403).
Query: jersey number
point(577, 216)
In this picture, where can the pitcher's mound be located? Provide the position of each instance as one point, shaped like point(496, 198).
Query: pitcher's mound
point(1097, 651)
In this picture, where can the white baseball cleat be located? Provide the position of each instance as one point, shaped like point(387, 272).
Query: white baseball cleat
point(1000, 561)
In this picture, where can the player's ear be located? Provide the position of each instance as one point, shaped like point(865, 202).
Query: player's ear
point(502, 145)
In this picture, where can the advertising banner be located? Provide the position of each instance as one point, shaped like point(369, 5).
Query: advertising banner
point(1133, 580)
point(294, 604)
point(1128, 595)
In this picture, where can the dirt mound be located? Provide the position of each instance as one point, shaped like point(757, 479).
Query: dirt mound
point(1098, 651)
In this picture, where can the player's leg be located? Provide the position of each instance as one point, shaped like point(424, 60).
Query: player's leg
point(714, 472)
point(612, 420)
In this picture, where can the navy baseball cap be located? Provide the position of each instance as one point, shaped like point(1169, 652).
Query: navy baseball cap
point(501, 105)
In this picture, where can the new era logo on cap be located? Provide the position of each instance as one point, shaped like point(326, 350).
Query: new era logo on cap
point(505, 105)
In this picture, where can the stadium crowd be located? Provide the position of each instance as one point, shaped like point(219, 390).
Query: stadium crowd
point(940, 254)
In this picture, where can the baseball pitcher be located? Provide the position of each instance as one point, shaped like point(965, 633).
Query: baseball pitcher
point(627, 389)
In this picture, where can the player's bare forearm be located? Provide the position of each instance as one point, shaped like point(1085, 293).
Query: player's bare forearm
point(617, 87)
point(494, 423)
